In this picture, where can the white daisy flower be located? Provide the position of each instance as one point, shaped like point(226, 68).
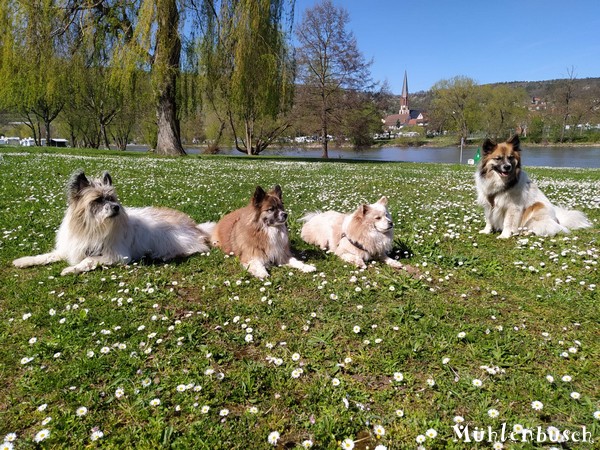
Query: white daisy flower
point(379, 430)
point(97, 434)
point(493, 413)
point(273, 437)
point(347, 444)
point(431, 433)
point(41, 435)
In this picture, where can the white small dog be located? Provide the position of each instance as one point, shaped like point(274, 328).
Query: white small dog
point(512, 202)
point(364, 235)
point(97, 230)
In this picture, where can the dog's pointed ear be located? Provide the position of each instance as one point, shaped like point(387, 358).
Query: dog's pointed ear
point(383, 201)
point(276, 190)
point(259, 196)
point(106, 179)
point(488, 146)
point(76, 184)
point(515, 142)
point(362, 210)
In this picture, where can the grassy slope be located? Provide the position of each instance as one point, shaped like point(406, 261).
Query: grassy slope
point(521, 302)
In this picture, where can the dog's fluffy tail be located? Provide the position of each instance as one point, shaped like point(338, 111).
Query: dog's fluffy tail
point(308, 216)
point(572, 219)
point(207, 227)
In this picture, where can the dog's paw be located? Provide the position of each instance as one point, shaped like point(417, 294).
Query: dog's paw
point(306, 268)
point(486, 230)
point(69, 270)
point(393, 263)
point(257, 270)
point(261, 275)
point(21, 262)
point(504, 235)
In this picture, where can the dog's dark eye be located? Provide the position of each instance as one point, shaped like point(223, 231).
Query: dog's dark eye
point(378, 218)
point(498, 158)
point(271, 209)
point(99, 200)
point(510, 158)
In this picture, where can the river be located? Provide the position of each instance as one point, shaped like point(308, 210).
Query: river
point(534, 156)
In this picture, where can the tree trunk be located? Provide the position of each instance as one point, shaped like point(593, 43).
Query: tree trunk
point(325, 153)
point(165, 72)
point(104, 135)
point(47, 124)
point(324, 130)
point(249, 136)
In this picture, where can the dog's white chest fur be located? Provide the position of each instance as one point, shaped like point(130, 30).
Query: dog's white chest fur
point(278, 244)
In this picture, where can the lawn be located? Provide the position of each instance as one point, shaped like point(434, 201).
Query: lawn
point(198, 354)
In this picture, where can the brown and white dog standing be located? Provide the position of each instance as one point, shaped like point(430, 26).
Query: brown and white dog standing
point(512, 202)
point(98, 230)
point(258, 234)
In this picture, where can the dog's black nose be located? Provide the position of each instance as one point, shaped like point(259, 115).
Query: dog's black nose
point(506, 167)
point(116, 209)
point(284, 216)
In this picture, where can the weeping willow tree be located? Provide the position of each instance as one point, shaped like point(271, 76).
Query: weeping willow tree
point(247, 68)
point(127, 44)
point(99, 89)
point(155, 48)
point(32, 63)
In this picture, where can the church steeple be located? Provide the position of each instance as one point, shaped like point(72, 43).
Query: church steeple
point(404, 109)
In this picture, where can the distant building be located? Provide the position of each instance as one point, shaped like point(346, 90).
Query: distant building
point(537, 104)
point(405, 116)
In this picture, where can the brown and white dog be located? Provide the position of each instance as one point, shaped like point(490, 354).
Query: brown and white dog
point(258, 234)
point(98, 230)
point(512, 202)
point(364, 235)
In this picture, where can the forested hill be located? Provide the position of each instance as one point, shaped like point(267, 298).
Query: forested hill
point(543, 90)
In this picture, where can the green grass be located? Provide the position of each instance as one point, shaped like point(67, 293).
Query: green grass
point(521, 303)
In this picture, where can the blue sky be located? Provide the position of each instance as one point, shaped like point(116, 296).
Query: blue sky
point(488, 41)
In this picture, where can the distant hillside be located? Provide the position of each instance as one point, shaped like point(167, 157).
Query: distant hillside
point(541, 89)
point(544, 89)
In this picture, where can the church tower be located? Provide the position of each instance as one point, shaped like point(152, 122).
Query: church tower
point(404, 109)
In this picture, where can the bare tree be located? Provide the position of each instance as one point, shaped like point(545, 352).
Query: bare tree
point(329, 62)
point(564, 95)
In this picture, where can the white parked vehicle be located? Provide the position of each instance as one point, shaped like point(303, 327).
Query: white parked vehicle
point(27, 142)
point(10, 140)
